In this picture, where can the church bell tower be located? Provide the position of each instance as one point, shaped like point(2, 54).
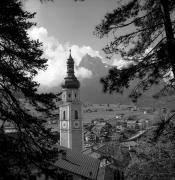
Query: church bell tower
point(70, 110)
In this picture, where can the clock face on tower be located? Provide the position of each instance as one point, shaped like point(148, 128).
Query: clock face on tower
point(64, 125)
point(76, 124)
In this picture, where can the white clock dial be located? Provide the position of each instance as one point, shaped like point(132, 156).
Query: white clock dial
point(76, 124)
point(64, 124)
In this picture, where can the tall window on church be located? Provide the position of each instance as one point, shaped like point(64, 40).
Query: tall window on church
point(64, 115)
point(76, 114)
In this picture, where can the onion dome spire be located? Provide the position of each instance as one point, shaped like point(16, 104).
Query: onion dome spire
point(70, 66)
point(70, 80)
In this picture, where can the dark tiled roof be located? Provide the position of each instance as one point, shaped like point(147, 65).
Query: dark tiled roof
point(79, 164)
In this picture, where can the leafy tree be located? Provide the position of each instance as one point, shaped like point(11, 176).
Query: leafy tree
point(92, 138)
point(106, 131)
point(143, 34)
point(20, 58)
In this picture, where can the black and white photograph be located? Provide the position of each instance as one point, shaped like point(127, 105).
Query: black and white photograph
point(87, 89)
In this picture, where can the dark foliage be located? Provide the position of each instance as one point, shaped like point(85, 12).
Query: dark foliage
point(154, 159)
point(163, 125)
point(106, 131)
point(32, 144)
point(143, 34)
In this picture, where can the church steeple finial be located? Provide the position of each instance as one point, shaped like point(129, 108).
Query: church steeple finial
point(70, 55)
point(70, 52)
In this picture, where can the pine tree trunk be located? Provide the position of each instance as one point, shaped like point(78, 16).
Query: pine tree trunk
point(169, 33)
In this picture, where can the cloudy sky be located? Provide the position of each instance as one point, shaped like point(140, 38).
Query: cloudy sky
point(65, 24)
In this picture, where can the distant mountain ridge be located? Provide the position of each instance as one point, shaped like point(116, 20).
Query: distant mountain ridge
point(95, 65)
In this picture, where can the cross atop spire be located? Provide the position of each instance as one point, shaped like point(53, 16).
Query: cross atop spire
point(70, 56)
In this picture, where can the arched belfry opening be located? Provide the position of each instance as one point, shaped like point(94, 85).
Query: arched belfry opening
point(76, 114)
point(64, 115)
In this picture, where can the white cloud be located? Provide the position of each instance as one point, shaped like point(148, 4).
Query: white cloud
point(168, 76)
point(83, 73)
point(120, 63)
point(57, 55)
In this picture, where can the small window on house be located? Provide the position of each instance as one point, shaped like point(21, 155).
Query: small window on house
point(69, 95)
point(75, 95)
point(76, 114)
point(64, 115)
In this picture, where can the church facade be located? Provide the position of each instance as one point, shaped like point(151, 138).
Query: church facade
point(71, 127)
